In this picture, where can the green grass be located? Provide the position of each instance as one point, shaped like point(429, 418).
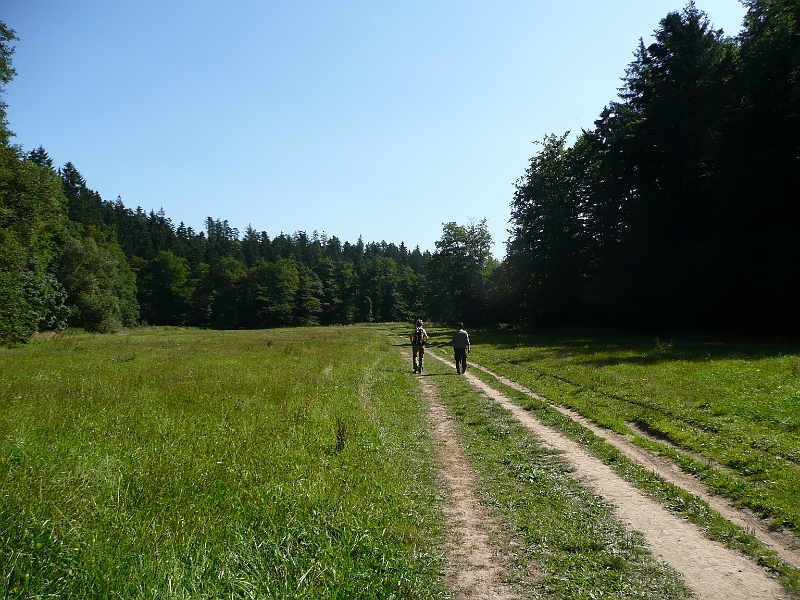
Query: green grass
point(183, 463)
point(296, 463)
point(561, 540)
point(733, 407)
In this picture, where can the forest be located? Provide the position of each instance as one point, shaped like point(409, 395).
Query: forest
point(677, 211)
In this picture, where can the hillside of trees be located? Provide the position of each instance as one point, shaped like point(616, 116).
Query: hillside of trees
point(679, 210)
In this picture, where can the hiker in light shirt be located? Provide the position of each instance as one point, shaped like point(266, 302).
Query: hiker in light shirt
point(461, 348)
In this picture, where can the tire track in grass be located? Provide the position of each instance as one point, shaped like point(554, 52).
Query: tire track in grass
point(784, 544)
point(710, 570)
point(474, 570)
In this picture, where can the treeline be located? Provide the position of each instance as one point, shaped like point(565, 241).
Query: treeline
point(680, 209)
point(110, 266)
point(97, 265)
point(93, 264)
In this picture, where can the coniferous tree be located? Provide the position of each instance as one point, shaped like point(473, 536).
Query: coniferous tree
point(663, 270)
point(83, 204)
point(41, 158)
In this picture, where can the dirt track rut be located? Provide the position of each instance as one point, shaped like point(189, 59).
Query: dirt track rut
point(473, 569)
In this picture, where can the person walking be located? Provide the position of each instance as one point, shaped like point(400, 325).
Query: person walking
point(461, 348)
point(418, 338)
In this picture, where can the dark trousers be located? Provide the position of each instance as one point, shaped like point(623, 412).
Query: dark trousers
point(418, 349)
point(461, 360)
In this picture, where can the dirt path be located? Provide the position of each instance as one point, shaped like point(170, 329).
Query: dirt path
point(709, 569)
point(474, 570)
point(784, 544)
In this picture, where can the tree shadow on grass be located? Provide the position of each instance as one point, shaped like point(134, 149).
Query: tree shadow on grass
point(609, 349)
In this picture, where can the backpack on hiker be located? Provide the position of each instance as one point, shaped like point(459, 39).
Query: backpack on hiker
point(419, 336)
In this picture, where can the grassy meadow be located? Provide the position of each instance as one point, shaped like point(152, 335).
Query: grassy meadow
point(728, 411)
point(208, 464)
point(296, 463)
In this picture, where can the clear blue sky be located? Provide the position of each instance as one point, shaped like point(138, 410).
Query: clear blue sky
point(373, 118)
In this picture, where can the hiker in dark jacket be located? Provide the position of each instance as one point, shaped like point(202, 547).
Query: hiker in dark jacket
point(461, 348)
point(418, 338)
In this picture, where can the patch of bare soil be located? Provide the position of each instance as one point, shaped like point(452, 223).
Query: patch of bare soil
point(709, 569)
point(783, 543)
point(474, 569)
